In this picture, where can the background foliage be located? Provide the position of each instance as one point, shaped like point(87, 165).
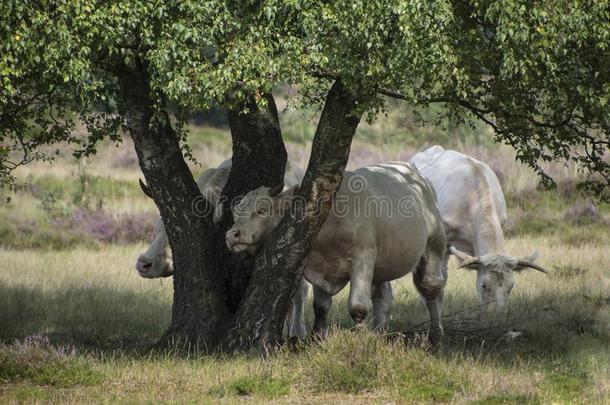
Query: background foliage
point(536, 72)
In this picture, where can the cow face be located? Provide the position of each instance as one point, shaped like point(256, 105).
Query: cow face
point(256, 215)
point(495, 274)
point(157, 260)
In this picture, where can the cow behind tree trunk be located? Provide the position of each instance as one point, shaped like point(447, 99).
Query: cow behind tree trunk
point(208, 281)
point(259, 159)
point(278, 268)
point(199, 309)
point(208, 286)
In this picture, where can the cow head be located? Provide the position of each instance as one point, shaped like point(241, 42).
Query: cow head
point(495, 274)
point(256, 215)
point(157, 260)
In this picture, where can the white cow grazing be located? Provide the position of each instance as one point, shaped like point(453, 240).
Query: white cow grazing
point(157, 260)
point(473, 209)
point(384, 225)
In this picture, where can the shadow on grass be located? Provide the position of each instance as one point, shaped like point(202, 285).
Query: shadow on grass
point(538, 328)
point(106, 319)
point(89, 316)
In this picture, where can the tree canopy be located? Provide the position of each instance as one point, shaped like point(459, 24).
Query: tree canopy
point(78, 71)
point(536, 72)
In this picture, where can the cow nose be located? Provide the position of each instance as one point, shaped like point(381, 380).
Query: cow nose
point(143, 265)
point(233, 236)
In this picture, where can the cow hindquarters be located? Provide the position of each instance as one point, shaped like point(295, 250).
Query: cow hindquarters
point(430, 278)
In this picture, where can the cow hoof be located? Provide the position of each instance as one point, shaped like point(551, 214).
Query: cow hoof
point(435, 338)
point(360, 326)
point(358, 317)
point(294, 343)
point(318, 335)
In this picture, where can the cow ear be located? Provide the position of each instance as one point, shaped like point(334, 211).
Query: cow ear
point(292, 191)
point(212, 194)
point(218, 210)
point(284, 200)
point(473, 264)
point(145, 189)
point(275, 190)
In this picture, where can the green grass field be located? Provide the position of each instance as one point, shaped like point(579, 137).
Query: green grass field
point(78, 324)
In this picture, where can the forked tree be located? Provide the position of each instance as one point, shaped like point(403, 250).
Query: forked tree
point(537, 73)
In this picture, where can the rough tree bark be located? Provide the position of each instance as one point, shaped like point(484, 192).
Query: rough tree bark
point(259, 159)
point(278, 268)
point(199, 310)
point(208, 283)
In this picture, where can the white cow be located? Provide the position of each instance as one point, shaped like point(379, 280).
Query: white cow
point(473, 209)
point(156, 261)
point(384, 225)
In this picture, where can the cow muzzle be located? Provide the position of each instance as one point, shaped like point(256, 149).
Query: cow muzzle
point(233, 238)
point(143, 266)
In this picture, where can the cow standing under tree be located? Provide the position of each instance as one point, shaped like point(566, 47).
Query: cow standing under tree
point(157, 262)
point(360, 243)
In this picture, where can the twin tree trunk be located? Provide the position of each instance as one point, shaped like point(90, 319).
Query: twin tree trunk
point(220, 299)
point(278, 268)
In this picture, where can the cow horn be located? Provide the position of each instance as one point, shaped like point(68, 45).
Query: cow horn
point(275, 190)
point(459, 254)
point(532, 265)
point(145, 189)
point(465, 259)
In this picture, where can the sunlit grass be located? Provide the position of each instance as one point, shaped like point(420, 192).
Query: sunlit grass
point(94, 300)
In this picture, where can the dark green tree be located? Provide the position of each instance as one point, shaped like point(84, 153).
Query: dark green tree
point(536, 72)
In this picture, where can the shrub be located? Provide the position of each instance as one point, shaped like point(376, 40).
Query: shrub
point(36, 361)
point(568, 384)
point(105, 227)
point(77, 228)
point(364, 361)
point(582, 212)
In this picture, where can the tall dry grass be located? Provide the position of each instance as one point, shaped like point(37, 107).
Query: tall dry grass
point(77, 323)
point(94, 301)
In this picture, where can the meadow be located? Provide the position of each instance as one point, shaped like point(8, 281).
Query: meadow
point(78, 324)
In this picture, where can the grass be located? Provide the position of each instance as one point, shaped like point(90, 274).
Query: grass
point(57, 293)
point(77, 324)
point(93, 301)
point(35, 362)
point(261, 385)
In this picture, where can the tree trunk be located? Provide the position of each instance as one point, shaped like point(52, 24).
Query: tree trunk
point(278, 268)
point(259, 159)
point(199, 310)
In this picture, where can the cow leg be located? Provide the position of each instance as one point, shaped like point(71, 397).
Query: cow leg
point(382, 301)
point(359, 301)
point(430, 278)
point(296, 315)
point(322, 301)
